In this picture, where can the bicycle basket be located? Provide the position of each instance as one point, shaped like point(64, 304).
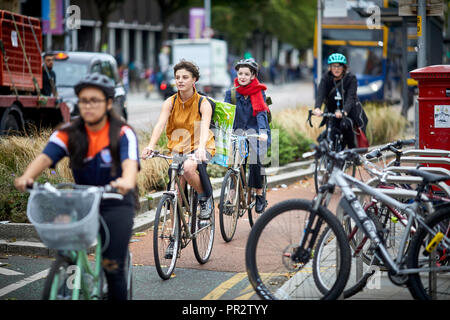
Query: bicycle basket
point(68, 220)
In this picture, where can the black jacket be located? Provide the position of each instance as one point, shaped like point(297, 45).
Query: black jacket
point(346, 88)
point(46, 86)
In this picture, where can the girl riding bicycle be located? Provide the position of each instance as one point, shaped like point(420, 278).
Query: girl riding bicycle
point(188, 132)
point(251, 116)
point(337, 90)
point(103, 150)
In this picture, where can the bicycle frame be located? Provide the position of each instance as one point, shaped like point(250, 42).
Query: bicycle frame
point(238, 168)
point(354, 208)
point(83, 266)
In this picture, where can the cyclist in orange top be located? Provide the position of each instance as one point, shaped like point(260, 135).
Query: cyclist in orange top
point(103, 150)
point(187, 115)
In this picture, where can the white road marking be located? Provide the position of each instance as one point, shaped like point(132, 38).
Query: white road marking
point(8, 272)
point(24, 282)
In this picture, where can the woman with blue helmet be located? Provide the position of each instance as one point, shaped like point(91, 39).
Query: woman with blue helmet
point(337, 90)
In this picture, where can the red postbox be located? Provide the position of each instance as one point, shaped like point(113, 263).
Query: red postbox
point(434, 106)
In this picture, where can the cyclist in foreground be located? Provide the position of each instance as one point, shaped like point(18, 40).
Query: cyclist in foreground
point(188, 115)
point(337, 89)
point(251, 117)
point(103, 150)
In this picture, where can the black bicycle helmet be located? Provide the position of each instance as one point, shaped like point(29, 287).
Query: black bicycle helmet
point(96, 80)
point(251, 63)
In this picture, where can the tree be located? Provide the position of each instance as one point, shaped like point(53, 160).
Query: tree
point(291, 21)
point(104, 10)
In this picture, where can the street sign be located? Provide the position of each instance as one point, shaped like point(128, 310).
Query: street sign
point(334, 8)
point(409, 7)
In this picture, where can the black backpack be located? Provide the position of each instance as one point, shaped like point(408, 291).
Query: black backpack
point(212, 125)
point(268, 102)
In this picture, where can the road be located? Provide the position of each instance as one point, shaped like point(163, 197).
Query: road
point(143, 112)
point(223, 277)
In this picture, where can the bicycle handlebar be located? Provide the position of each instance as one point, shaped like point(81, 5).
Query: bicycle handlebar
point(393, 147)
point(323, 115)
point(108, 192)
point(175, 157)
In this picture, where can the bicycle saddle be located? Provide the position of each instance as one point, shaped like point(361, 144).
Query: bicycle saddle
point(428, 177)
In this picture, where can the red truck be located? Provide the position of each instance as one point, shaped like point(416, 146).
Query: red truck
point(21, 101)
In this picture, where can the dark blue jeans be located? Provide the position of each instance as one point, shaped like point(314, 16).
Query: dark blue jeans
point(118, 216)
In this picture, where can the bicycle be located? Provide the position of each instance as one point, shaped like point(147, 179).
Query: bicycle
point(236, 196)
point(281, 248)
point(66, 217)
point(409, 266)
point(335, 143)
point(386, 217)
point(172, 230)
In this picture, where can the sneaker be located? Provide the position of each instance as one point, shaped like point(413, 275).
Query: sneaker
point(260, 203)
point(205, 209)
point(169, 250)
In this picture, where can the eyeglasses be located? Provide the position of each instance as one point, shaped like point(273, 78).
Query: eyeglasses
point(94, 102)
point(337, 66)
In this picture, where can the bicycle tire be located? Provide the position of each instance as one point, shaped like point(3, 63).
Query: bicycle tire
point(203, 239)
point(129, 275)
point(276, 234)
point(417, 285)
point(59, 271)
point(163, 235)
point(252, 214)
point(228, 213)
point(351, 288)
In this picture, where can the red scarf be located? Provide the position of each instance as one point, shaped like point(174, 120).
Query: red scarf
point(253, 89)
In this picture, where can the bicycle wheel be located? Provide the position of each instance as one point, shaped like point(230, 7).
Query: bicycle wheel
point(59, 282)
point(252, 214)
point(229, 205)
point(203, 231)
point(324, 260)
point(129, 275)
point(166, 237)
point(275, 237)
point(431, 285)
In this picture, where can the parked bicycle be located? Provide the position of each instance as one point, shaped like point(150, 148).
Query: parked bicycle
point(391, 220)
point(66, 217)
point(236, 197)
point(177, 222)
point(387, 218)
point(422, 255)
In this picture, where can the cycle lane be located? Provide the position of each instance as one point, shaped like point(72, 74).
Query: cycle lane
point(228, 258)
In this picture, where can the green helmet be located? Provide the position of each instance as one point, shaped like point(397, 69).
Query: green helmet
point(337, 58)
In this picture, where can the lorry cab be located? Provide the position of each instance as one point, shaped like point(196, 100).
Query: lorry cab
point(71, 66)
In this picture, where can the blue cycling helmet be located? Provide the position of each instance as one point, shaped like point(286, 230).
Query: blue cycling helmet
point(337, 58)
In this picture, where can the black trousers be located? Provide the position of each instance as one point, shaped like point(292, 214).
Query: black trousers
point(118, 216)
point(338, 126)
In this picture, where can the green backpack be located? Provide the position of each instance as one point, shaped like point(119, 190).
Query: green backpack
point(268, 102)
